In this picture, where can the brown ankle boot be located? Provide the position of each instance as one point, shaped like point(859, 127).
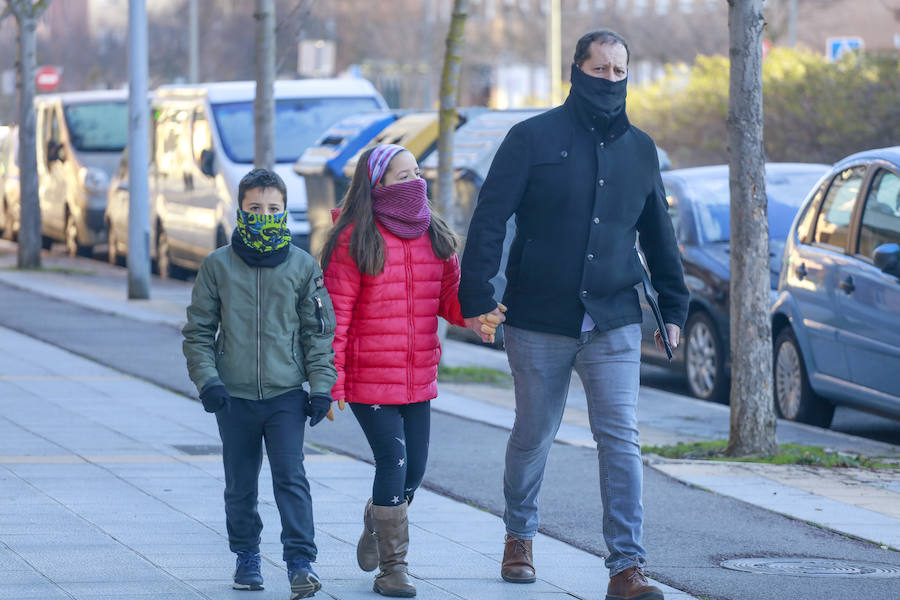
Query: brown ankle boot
point(632, 584)
point(392, 537)
point(518, 564)
point(367, 547)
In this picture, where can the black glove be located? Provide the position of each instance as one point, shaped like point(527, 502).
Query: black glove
point(214, 397)
point(317, 407)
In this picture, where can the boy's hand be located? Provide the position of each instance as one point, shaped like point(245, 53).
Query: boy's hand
point(317, 408)
point(214, 398)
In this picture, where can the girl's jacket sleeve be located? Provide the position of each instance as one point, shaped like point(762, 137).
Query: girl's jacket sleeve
point(449, 307)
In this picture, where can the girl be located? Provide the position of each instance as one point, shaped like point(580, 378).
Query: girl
point(391, 269)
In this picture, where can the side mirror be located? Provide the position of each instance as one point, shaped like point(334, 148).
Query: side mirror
point(207, 163)
point(887, 258)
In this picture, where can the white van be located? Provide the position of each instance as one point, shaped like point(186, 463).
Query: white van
point(80, 137)
point(202, 145)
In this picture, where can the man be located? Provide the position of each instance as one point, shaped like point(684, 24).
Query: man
point(582, 183)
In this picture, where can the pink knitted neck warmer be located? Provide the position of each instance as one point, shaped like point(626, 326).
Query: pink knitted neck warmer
point(403, 208)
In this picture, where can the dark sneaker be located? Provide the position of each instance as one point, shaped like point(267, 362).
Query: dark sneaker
point(247, 575)
point(304, 581)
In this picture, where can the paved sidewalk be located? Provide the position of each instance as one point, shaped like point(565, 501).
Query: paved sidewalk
point(856, 502)
point(111, 487)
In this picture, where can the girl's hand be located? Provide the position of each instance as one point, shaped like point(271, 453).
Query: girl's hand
point(330, 415)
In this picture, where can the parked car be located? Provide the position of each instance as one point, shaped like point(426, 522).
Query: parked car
point(699, 204)
point(202, 144)
point(836, 321)
point(9, 184)
point(80, 136)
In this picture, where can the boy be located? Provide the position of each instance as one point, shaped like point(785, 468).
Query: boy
point(266, 299)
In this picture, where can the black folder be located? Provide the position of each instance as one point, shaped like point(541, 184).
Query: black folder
point(650, 295)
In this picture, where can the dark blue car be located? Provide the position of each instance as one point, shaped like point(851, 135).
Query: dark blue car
point(699, 204)
point(836, 321)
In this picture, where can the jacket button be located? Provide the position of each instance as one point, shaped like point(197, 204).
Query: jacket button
point(564, 154)
point(601, 183)
point(596, 220)
point(601, 144)
point(584, 293)
point(590, 257)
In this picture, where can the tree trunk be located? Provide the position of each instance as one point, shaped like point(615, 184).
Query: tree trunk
point(29, 252)
point(264, 104)
point(448, 117)
point(752, 411)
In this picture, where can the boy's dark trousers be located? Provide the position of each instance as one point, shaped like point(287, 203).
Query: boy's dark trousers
point(243, 426)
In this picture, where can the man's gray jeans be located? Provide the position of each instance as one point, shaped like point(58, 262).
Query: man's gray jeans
point(608, 364)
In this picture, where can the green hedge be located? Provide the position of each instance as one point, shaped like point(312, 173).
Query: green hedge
point(814, 110)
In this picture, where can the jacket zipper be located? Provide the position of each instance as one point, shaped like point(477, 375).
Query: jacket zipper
point(318, 302)
point(411, 301)
point(258, 343)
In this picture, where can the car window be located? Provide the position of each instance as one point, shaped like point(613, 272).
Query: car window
point(881, 217)
point(833, 224)
point(98, 126)
point(201, 138)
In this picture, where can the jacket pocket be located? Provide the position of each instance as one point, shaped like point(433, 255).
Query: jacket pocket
point(324, 314)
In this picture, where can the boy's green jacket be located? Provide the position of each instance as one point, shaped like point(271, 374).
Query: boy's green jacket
point(275, 326)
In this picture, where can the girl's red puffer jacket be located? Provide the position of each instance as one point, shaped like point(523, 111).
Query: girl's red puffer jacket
point(386, 346)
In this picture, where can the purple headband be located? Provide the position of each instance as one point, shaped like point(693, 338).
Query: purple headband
point(380, 159)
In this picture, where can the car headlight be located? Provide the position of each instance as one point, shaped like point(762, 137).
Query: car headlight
point(95, 180)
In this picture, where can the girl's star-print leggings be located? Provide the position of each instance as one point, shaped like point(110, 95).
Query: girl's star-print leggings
point(398, 435)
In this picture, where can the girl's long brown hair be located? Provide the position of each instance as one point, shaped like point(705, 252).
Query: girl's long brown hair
point(366, 242)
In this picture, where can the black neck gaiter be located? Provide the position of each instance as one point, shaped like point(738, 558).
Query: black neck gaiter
point(602, 100)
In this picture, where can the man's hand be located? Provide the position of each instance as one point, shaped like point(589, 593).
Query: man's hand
point(674, 332)
point(486, 325)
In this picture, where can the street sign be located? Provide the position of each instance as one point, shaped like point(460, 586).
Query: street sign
point(47, 78)
point(836, 47)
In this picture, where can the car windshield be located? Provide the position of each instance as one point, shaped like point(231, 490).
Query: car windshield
point(786, 191)
point(298, 124)
point(98, 126)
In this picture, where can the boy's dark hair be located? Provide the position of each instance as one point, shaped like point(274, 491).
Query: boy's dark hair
point(601, 36)
point(366, 241)
point(261, 178)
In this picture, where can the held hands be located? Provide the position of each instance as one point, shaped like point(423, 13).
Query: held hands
point(486, 325)
point(317, 408)
point(674, 332)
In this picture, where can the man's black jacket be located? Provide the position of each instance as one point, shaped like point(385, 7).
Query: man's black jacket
point(579, 199)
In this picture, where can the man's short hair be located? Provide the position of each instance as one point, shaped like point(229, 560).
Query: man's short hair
point(261, 178)
point(601, 36)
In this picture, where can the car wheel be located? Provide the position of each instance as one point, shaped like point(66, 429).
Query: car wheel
point(221, 240)
point(795, 399)
point(7, 222)
point(73, 248)
point(113, 252)
point(703, 359)
point(163, 261)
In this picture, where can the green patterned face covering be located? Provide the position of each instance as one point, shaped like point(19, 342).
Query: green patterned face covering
point(263, 233)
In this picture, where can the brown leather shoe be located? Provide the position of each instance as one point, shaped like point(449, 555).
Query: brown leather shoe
point(518, 563)
point(632, 584)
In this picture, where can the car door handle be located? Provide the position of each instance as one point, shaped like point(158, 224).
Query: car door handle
point(847, 284)
point(801, 271)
